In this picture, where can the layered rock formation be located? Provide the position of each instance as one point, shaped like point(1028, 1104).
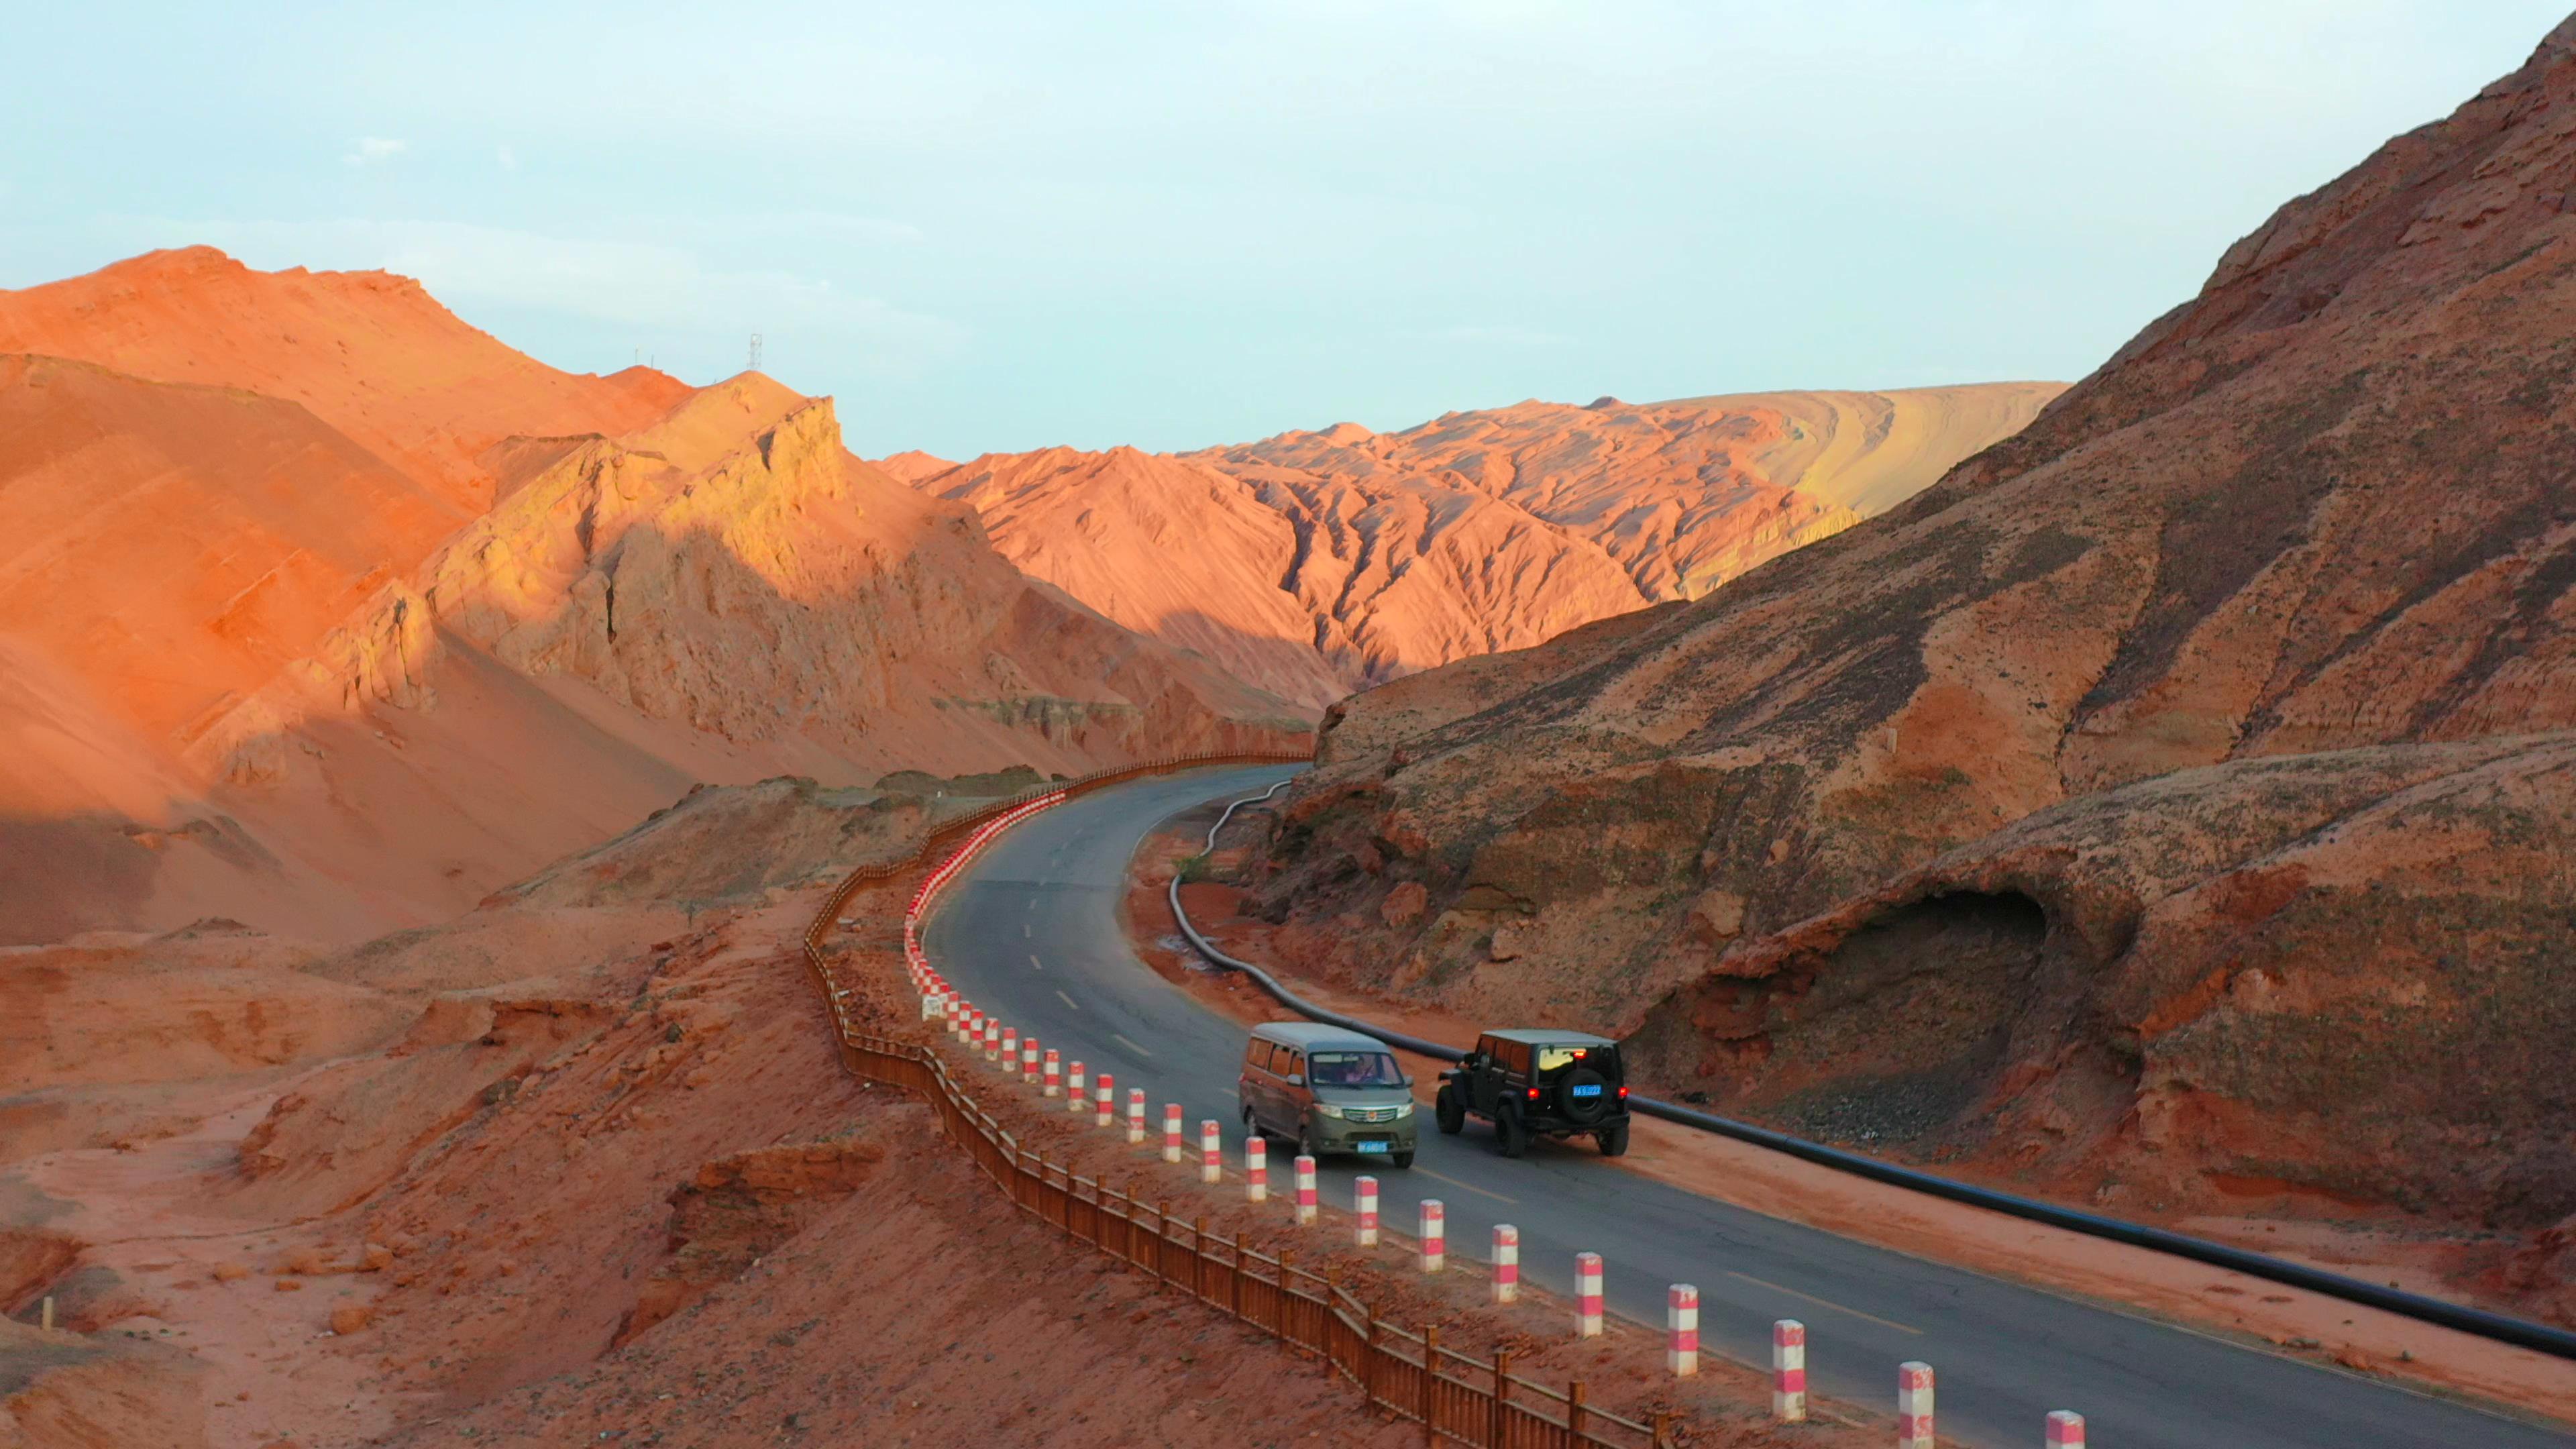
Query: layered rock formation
point(354, 647)
point(1315, 563)
point(2168, 792)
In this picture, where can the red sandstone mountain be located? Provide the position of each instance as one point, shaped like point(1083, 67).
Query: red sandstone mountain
point(373, 355)
point(327, 679)
point(1317, 563)
point(2168, 805)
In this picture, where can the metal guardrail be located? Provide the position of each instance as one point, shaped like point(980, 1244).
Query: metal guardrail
point(2503, 1328)
point(1405, 1373)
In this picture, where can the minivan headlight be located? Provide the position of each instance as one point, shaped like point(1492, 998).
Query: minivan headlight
point(1404, 1111)
point(1328, 1109)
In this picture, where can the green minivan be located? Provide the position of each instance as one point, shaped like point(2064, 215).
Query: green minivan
point(1329, 1090)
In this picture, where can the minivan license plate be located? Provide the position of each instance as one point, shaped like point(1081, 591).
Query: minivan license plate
point(1588, 1089)
point(1370, 1146)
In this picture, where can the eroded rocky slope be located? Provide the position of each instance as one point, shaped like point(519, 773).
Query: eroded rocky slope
point(2169, 791)
point(578, 1165)
point(327, 636)
point(1315, 563)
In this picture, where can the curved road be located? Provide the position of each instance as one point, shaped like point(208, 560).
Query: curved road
point(1031, 934)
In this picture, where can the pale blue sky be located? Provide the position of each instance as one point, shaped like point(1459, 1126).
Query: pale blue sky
point(990, 225)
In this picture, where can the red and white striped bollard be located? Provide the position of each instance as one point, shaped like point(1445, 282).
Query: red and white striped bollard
point(1135, 1115)
point(1914, 1406)
point(1029, 1061)
point(1507, 1263)
point(1010, 1049)
point(992, 1040)
point(1211, 1151)
point(1306, 1209)
point(1081, 1099)
point(1587, 1295)
point(1107, 1099)
point(1256, 1169)
point(1171, 1131)
point(2065, 1429)
point(1434, 1237)
point(1054, 1077)
point(1681, 1330)
point(1789, 1371)
point(1364, 1212)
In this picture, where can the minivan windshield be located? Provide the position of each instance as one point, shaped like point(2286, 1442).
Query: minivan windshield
point(1353, 1069)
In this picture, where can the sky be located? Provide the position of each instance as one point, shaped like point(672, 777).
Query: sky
point(993, 226)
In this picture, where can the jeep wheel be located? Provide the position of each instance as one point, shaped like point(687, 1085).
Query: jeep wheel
point(1613, 1140)
point(1446, 1111)
point(1510, 1138)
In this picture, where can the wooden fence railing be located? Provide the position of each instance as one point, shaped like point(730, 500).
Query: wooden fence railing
point(1406, 1373)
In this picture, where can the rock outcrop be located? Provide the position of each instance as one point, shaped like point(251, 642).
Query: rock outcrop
point(1316, 563)
point(2023, 823)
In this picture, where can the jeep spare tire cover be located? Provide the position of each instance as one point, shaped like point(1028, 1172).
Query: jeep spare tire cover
point(1579, 1105)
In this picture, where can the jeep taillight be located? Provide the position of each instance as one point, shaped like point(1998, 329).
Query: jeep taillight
point(1623, 1094)
point(1533, 1094)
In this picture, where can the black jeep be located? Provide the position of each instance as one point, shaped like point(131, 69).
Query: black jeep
point(1539, 1083)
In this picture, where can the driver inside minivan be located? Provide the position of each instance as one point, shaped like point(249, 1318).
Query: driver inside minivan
point(1353, 1069)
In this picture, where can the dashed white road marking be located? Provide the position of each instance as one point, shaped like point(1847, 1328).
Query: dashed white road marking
point(1131, 1046)
point(1069, 1001)
point(1469, 1186)
point(1036, 965)
point(1024, 930)
point(1829, 1303)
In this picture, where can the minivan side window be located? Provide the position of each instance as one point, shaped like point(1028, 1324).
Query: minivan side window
point(1291, 1062)
point(1257, 1055)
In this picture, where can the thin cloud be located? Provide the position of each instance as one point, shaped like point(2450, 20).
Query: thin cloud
point(508, 158)
point(374, 151)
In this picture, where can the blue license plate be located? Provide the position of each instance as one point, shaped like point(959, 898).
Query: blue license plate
point(1588, 1089)
point(1370, 1146)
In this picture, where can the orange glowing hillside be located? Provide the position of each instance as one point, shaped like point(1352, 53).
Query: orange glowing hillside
point(1316, 563)
point(351, 652)
point(371, 354)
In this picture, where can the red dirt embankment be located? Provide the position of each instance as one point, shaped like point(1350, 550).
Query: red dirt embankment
point(582, 1162)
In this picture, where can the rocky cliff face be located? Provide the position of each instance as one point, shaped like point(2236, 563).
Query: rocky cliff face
point(2235, 601)
point(1317, 563)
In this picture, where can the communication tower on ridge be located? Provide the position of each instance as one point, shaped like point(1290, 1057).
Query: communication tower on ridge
point(754, 364)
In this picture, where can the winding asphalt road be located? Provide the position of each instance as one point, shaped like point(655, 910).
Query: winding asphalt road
point(1031, 934)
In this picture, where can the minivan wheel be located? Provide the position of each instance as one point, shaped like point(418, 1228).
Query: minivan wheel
point(1446, 1111)
point(1403, 1159)
point(1613, 1140)
point(1510, 1138)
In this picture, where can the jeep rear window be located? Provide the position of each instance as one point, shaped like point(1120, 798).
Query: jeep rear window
point(1551, 1058)
point(1355, 1069)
